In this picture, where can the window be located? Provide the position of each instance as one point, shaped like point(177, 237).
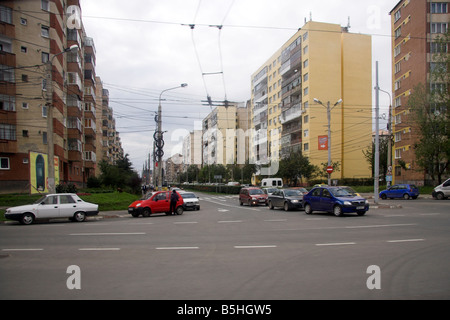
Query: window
point(44, 138)
point(398, 153)
point(439, 27)
point(7, 73)
point(306, 91)
point(23, 49)
point(44, 111)
point(23, 21)
point(45, 57)
point(398, 137)
point(66, 199)
point(305, 49)
point(398, 15)
point(439, 7)
point(45, 5)
point(306, 147)
point(306, 77)
point(397, 50)
point(25, 133)
point(398, 32)
point(305, 63)
point(5, 14)
point(4, 164)
point(398, 67)
point(305, 36)
point(7, 132)
point(45, 32)
point(7, 103)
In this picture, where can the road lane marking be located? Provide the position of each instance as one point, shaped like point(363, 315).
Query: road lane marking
point(382, 226)
point(177, 248)
point(109, 234)
point(10, 250)
point(186, 222)
point(276, 220)
point(99, 249)
point(406, 240)
point(335, 244)
point(255, 247)
point(231, 221)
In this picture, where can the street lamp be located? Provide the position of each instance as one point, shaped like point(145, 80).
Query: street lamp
point(160, 134)
point(51, 146)
point(329, 130)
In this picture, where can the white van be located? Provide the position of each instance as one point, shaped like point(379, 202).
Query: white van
point(272, 182)
point(442, 191)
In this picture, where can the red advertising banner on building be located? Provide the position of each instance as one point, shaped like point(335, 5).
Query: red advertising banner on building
point(323, 142)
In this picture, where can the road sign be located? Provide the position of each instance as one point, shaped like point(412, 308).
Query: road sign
point(330, 170)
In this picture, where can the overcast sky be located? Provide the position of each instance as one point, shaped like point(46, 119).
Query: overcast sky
point(147, 46)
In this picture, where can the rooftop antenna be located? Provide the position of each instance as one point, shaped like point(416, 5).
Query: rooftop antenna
point(310, 16)
point(348, 24)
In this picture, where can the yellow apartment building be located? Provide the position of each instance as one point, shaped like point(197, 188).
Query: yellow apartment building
point(322, 63)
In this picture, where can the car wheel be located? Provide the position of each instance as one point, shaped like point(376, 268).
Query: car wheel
point(440, 196)
point(383, 196)
point(361, 213)
point(241, 203)
point(27, 219)
point(286, 206)
point(179, 210)
point(406, 196)
point(79, 217)
point(308, 209)
point(337, 210)
point(271, 207)
point(135, 214)
point(146, 213)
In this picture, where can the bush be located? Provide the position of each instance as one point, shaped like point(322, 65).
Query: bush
point(94, 182)
point(66, 188)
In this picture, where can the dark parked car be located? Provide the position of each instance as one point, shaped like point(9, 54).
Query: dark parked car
point(405, 191)
point(288, 199)
point(252, 196)
point(336, 200)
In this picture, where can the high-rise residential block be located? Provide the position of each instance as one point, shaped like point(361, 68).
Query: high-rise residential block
point(416, 24)
point(48, 118)
point(321, 62)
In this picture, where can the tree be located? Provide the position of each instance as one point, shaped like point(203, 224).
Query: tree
point(369, 154)
point(296, 167)
point(120, 176)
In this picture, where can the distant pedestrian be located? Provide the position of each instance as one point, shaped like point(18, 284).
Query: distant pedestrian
point(173, 202)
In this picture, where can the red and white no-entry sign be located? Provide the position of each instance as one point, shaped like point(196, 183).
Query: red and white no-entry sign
point(330, 170)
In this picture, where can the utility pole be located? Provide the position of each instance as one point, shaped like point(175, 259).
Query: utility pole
point(377, 139)
point(329, 108)
point(159, 136)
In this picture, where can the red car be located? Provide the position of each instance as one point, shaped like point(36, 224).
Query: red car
point(156, 202)
point(252, 196)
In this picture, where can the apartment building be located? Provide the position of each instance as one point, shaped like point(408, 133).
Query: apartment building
point(323, 62)
point(415, 27)
point(225, 136)
point(48, 118)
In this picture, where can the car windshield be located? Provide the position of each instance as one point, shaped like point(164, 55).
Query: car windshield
point(255, 191)
point(292, 193)
point(40, 200)
point(340, 192)
point(188, 195)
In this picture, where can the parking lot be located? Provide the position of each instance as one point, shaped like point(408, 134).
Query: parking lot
point(227, 251)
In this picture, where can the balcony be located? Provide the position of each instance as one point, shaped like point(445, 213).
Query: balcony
point(291, 114)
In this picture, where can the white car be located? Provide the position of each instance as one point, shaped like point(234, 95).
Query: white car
point(190, 201)
point(51, 206)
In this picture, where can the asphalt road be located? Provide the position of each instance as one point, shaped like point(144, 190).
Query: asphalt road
point(228, 252)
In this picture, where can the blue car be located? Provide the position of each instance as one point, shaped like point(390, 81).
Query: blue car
point(336, 200)
point(405, 191)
